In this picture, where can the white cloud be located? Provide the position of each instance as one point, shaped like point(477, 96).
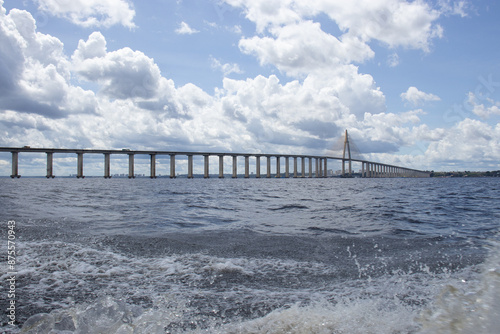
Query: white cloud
point(417, 97)
point(185, 29)
point(480, 109)
point(225, 68)
point(91, 13)
point(122, 74)
point(393, 60)
point(453, 7)
point(469, 141)
point(36, 73)
point(394, 22)
point(302, 48)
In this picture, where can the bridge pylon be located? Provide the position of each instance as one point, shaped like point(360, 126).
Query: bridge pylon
point(347, 149)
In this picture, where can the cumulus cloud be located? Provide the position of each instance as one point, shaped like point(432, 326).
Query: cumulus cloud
point(417, 97)
point(394, 22)
point(480, 109)
point(302, 48)
point(468, 141)
point(36, 72)
point(185, 29)
point(122, 74)
point(91, 13)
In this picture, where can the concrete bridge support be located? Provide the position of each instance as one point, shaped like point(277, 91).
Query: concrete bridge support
point(206, 169)
point(295, 167)
point(235, 166)
point(247, 166)
point(268, 167)
point(172, 166)
point(325, 165)
point(190, 166)
point(131, 174)
point(50, 169)
point(221, 166)
point(303, 166)
point(310, 167)
point(15, 165)
point(107, 168)
point(79, 166)
point(287, 167)
point(257, 166)
point(278, 172)
point(317, 171)
point(152, 173)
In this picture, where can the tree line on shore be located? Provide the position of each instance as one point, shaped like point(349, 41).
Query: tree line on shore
point(466, 174)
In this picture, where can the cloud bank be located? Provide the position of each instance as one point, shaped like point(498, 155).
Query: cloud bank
point(43, 101)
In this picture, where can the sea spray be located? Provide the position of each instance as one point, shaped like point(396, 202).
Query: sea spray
point(472, 307)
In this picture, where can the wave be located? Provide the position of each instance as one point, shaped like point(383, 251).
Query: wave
point(412, 302)
point(289, 207)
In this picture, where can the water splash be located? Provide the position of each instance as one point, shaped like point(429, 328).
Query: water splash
point(472, 307)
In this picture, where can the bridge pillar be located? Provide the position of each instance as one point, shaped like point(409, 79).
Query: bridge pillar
point(221, 166)
point(362, 169)
point(50, 170)
point(152, 173)
point(343, 167)
point(172, 166)
point(131, 166)
point(318, 168)
point(206, 162)
point(325, 165)
point(295, 167)
point(303, 166)
point(287, 167)
point(235, 166)
point(190, 166)
point(310, 167)
point(247, 166)
point(79, 166)
point(257, 166)
point(278, 172)
point(268, 166)
point(15, 165)
point(107, 168)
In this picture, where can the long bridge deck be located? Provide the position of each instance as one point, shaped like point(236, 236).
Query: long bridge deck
point(368, 168)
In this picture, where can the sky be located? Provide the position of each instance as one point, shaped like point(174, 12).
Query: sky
point(415, 83)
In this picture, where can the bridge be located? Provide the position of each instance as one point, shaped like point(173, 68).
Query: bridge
point(369, 169)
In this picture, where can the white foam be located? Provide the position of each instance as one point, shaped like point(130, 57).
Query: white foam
point(359, 316)
point(391, 303)
point(472, 307)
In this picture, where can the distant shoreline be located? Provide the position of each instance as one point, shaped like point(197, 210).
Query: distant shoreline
point(466, 174)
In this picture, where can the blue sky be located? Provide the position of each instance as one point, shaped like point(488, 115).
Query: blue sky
point(416, 83)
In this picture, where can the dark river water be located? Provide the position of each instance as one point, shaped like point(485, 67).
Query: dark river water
point(252, 255)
